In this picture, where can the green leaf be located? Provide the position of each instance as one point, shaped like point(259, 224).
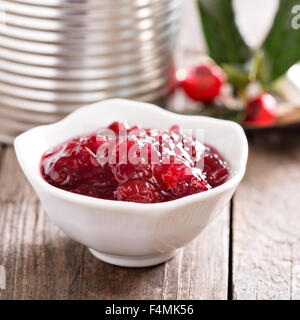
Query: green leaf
point(259, 69)
point(224, 41)
point(218, 111)
point(236, 75)
point(282, 44)
point(222, 112)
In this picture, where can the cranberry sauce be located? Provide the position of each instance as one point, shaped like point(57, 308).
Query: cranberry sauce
point(134, 164)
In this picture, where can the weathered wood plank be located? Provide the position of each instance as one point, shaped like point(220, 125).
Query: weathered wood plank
point(266, 220)
point(43, 263)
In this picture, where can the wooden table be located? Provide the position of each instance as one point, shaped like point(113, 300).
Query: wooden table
point(251, 251)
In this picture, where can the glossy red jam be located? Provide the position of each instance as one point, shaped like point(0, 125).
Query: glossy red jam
point(134, 164)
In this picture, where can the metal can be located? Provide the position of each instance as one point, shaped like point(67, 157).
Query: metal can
point(59, 55)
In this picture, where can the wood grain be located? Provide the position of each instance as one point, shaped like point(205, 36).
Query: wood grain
point(43, 263)
point(266, 220)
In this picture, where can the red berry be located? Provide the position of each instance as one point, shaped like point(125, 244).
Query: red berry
point(189, 186)
point(137, 191)
point(100, 186)
point(215, 167)
point(118, 127)
point(203, 83)
point(139, 172)
point(72, 164)
point(171, 173)
point(261, 111)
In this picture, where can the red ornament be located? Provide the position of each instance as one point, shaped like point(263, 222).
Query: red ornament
point(261, 111)
point(203, 83)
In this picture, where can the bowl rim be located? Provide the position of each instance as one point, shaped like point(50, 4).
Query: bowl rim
point(231, 183)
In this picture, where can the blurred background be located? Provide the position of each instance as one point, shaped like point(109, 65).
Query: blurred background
point(228, 59)
point(56, 56)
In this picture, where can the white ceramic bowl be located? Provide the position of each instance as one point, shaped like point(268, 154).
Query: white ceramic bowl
point(127, 233)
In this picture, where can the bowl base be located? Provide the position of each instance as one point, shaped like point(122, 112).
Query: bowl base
point(134, 261)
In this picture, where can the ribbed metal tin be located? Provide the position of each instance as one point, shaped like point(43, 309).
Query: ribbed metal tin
point(58, 55)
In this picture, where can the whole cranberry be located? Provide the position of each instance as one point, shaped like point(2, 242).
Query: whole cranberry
point(203, 83)
point(137, 191)
point(119, 127)
point(215, 167)
point(189, 186)
point(261, 111)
